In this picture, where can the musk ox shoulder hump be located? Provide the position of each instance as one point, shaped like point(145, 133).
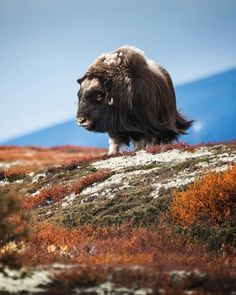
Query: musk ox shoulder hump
point(137, 61)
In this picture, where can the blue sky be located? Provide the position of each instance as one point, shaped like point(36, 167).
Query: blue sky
point(47, 44)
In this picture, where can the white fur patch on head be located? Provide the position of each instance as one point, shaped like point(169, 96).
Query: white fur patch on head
point(110, 58)
point(88, 84)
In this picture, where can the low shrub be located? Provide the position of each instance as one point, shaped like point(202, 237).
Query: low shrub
point(210, 201)
point(56, 192)
point(15, 173)
point(214, 238)
point(13, 225)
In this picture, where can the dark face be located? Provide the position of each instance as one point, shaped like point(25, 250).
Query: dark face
point(93, 106)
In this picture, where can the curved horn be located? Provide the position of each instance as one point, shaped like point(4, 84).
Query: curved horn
point(110, 101)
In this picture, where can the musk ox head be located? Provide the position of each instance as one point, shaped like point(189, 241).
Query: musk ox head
point(131, 98)
point(95, 105)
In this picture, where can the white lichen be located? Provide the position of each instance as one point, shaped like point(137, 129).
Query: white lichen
point(4, 182)
point(115, 183)
point(144, 158)
point(16, 281)
point(35, 193)
point(19, 181)
point(109, 288)
point(178, 276)
point(37, 177)
point(180, 180)
point(68, 200)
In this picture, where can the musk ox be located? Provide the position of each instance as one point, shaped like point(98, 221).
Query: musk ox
point(131, 98)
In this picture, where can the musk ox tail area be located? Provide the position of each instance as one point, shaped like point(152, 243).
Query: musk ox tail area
point(182, 124)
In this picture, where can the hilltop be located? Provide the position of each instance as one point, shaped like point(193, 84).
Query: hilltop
point(155, 221)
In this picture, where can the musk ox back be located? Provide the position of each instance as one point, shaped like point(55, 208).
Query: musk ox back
point(131, 98)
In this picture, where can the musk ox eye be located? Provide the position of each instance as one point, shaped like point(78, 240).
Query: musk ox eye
point(99, 97)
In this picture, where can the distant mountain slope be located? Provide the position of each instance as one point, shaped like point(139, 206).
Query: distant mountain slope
point(210, 101)
point(61, 134)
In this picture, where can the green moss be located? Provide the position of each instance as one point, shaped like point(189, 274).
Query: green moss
point(135, 207)
point(144, 167)
point(189, 164)
point(212, 237)
point(203, 159)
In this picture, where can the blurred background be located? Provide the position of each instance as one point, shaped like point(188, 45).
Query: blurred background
point(47, 45)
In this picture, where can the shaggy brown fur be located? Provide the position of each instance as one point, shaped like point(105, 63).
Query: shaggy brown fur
point(130, 97)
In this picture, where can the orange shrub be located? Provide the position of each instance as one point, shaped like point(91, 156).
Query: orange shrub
point(95, 245)
point(210, 200)
point(78, 186)
point(15, 172)
point(52, 194)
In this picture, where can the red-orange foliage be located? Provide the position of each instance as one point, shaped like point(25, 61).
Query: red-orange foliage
point(210, 200)
point(163, 148)
point(57, 192)
point(15, 172)
point(42, 157)
point(52, 194)
point(185, 146)
point(79, 185)
point(112, 246)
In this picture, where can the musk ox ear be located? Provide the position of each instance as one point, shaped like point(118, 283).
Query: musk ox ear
point(110, 101)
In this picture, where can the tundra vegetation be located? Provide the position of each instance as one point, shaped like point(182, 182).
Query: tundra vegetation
point(155, 221)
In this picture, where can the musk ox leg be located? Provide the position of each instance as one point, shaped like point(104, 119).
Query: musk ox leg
point(139, 144)
point(116, 141)
point(114, 145)
point(138, 140)
point(144, 142)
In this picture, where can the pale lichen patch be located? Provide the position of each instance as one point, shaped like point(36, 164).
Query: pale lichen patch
point(144, 158)
point(4, 182)
point(16, 281)
point(114, 184)
point(68, 200)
